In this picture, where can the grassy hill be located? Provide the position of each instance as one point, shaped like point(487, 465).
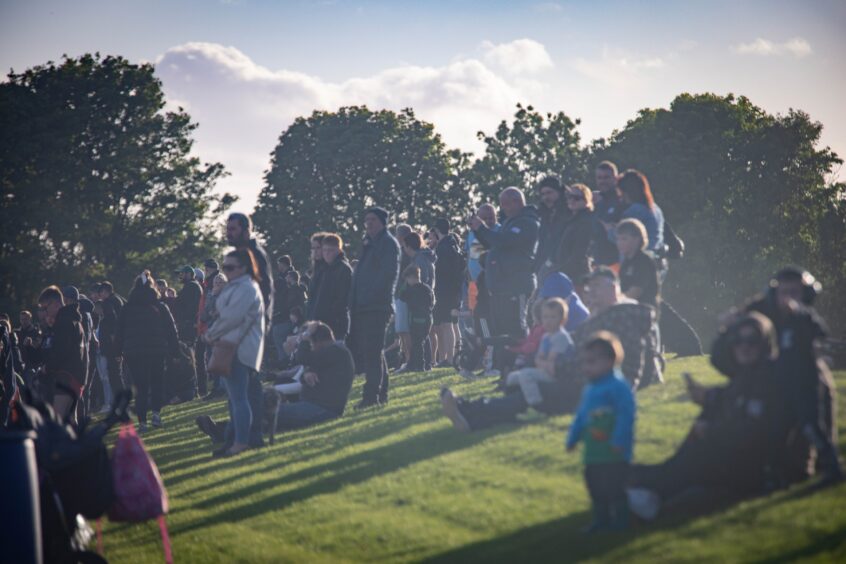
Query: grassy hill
point(398, 484)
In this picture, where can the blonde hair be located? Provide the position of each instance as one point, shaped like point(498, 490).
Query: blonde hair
point(559, 306)
point(586, 193)
point(634, 228)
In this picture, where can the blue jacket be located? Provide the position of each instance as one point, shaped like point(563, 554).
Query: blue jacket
point(509, 270)
point(653, 220)
point(559, 285)
point(375, 277)
point(610, 393)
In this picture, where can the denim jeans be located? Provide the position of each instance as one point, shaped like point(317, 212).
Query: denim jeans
point(301, 414)
point(240, 414)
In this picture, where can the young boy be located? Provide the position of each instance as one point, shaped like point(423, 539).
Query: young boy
point(555, 342)
point(605, 422)
point(421, 301)
point(638, 273)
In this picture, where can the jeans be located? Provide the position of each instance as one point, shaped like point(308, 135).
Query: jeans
point(200, 360)
point(507, 317)
point(103, 371)
point(280, 332)
point(148, 377)
point(301, 414)
point(240, 414)
point(606, 485)
point(368, 339)
point(419, 336)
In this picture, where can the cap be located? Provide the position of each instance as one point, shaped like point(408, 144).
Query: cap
point(187, 269)
point(381, 213)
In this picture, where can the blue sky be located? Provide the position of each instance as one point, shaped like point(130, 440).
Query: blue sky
point(245, 69)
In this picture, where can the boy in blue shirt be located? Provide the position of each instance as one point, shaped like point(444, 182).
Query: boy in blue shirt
point(605, 422)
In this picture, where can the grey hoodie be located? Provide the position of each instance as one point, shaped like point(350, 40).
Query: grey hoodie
point(425, 261)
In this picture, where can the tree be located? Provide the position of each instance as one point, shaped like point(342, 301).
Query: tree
point(534, 145)
point(748, 192)
point(328, 168)
point(97, 178)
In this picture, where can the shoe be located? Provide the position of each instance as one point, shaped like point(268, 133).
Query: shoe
point(449, 403)
point(643, 503)
point(220, 452)
point(365, 404)
point(142, 428)
point(444, 364)
point(156, 420)
point(466, 374)
point(401, 369)
point(210, 428)
point(106, 409)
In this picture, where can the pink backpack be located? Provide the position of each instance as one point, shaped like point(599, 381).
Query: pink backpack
point(139, 491)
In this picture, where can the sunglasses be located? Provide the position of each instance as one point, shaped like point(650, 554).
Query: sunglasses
point(229, 267)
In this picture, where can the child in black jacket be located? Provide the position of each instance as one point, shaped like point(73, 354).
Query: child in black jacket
point(421, 301)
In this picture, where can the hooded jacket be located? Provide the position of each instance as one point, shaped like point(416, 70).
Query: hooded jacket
point(375, 277)
point(509, 267)
point(241, 319)
point(572, 255)
point(186, 308)
point(449, 269)
point(65, 350)
point(145, 327)
point(552, 223)
point(330, 299)
point(558, 285)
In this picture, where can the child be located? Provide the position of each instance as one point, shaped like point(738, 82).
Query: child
point(555, 342)
point(421, 301)
point(638, 272)
point(605, 422)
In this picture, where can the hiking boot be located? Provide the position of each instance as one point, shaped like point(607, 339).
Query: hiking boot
point(156, 420)
point(449, 403)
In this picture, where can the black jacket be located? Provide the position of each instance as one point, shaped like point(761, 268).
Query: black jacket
point(420, 300)
point(573, 254)
point(509, 267)
point(335, 370)
point(280, 298)
point(375, 278)
point(108, 328)
point(330, 301)
point(552, 223)
point(185, 310)
point(317, 268)
point(65, 348)
point(266, 283)
point(145, 327)
point(296, 296)
point(449, 269)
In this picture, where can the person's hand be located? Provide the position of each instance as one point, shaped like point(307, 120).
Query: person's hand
point(310, 378)
point(291, 344)
point(474, 222)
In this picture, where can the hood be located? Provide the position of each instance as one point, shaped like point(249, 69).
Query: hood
point(142, 296)
point(86, 305)
point(426, 255)
point(68, 314)
point(557, 285)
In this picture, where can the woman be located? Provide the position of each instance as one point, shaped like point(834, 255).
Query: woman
point(240, 322)
point(737, 435)
point(145, 336)
point(331, 302)
point(573, 256)
point(640, 205)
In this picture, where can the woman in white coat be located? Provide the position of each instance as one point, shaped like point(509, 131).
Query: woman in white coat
point(240, 321)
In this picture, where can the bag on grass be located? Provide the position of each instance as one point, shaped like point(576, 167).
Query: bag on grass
point(139, 491)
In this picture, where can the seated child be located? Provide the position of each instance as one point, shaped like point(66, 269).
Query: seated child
point(605, 422)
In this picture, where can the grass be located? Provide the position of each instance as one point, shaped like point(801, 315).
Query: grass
point(398, 484)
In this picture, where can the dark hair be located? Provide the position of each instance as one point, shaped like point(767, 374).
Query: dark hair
point(243, 220)
point(51, 294)
point(247, 259)
point(319, 332)
point(549, 181)
point(286, 260)
point(608, 165)
point(411, 270)
point(602, 272)
point(634, 184)
point(413, 241)
point(333, 240)
point(107, 286)
point(293, 274)
point(144, 285)
point(161, 282)
point(442, 225)
point(607, 344)
point(765, 329)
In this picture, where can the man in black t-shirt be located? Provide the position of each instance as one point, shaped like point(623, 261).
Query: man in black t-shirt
point(638, 272)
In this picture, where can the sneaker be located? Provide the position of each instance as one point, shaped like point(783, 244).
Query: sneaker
point(643, 503)
point(449, 404)
point(106, 409)
point(156, 420)
point(142, 428)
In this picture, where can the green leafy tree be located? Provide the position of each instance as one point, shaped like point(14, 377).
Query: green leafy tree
point(97, 178)
point(748, 192)
point(520, 154)
point(328, 168)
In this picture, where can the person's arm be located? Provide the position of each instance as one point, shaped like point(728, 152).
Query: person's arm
point(169, 327)
point(624, 419)
point(386, 277)
point(120, 330)
point(518, 235)
point(232, 313)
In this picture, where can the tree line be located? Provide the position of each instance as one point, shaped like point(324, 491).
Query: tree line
point(98, 181)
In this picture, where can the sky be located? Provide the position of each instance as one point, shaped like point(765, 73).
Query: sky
point(245, 69)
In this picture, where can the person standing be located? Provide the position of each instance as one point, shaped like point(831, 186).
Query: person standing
point(211, 270)
point(241, 322)
point(509, 269)
point(280, 327)
point(554, 214)
point(371, 304)
point(420, 299)
point(401, 325)
point(609, 207)
point(449, 277)
point(572, 256)
point(331, 299)
point(146, 335)
point(187, 306)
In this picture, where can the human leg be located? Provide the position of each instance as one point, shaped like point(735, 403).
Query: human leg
point(301, 414)
point(240, 415)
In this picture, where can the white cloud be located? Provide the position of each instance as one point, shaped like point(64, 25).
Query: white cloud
point(796, 47)
point(243, 107)
point(548, 8)
point(617, 68)
point(517, 57)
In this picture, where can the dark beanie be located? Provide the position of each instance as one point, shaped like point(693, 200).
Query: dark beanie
point(442, 225)
point(381, 213)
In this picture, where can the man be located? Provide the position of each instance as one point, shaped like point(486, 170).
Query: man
point(297, 294)
point(280, 324)
point(109, 296)
point(187, 305)
point(211, 270)
point(509, 268)
point(239, 228)
point(63, 350)
point(474, 249)
point(553, 219)
point(372, 304)
point(109, 362)
point(449, 277)
point(29, 337)
point(401, 322)
point(331, 299)
point(608, 209)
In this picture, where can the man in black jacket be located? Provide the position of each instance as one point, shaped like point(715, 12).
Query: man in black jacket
point(372, 304)
point(187, 306)
point(553, 215)
point(330, 303)
point(449, 277)
point(509, 267)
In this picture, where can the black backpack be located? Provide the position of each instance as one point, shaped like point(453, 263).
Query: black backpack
point(673, 244)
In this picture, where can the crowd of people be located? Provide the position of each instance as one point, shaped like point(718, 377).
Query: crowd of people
point(559, 304)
